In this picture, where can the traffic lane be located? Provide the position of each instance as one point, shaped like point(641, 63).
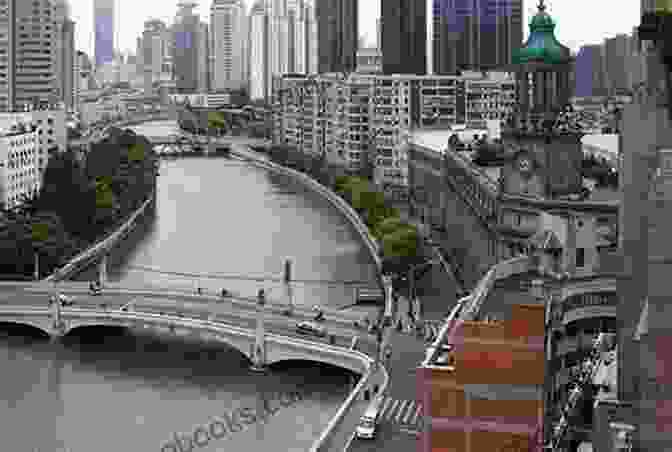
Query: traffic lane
point(223, 308)
point(388, 438)
point(407, 353)
point(42, 299)
point(240, 302)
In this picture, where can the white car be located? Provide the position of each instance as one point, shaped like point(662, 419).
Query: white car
point(63, 300)
point(311, 329)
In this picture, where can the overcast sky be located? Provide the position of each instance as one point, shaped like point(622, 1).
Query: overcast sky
point(579, 21)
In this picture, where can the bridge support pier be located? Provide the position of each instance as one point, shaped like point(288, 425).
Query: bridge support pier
point(258, 352)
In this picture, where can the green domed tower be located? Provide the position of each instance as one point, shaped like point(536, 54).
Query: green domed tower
point(542, 66)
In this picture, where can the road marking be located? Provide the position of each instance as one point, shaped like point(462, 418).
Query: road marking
point(400, 410)
point(418, 411)
point(349, 441)
point(387, 402)
point(391, 411)
point(408, 412)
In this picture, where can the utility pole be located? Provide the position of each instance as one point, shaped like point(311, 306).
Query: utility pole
point(288, 286)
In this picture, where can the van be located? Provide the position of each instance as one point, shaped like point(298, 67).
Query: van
point(369, 421)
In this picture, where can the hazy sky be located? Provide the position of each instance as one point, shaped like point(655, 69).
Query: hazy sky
point(579, 21)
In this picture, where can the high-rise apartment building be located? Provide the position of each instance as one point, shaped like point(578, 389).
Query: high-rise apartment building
point(64, 30)
point(156, 50)
point(474, 34)
point(185, 48)
point(259, 55)
point(104, 22)
point(616, 52)
point(297, 32)
point(203, 63)
point(404, 36)
point(28, 72)
point(311, 42)
point(337, 35)
point(227, 33)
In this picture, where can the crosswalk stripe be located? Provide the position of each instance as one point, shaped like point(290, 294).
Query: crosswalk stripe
point(409, 411)
point(400, 410)
point(389, 413)
point(417, 414)
point(386, 403)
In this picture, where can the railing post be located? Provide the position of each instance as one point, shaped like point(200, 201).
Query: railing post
point(288, 284)
point(102, 270)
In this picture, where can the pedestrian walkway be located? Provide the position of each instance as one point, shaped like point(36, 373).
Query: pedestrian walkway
point(406, 413)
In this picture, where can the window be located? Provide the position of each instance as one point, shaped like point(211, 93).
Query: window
point(580, 257)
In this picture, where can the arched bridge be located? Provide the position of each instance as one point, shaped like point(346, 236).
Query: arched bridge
point(262, 349)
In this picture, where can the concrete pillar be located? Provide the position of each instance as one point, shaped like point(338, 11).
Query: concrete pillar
point(259, 348)
point(102, 270)
point(57, 324)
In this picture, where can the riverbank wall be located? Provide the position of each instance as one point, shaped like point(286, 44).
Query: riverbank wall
point(334, 199)
point(95, 252)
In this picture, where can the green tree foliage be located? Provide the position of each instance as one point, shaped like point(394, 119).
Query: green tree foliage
point(217, 122)
point(21, 236)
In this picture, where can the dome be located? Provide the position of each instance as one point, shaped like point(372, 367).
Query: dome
point(541, 45)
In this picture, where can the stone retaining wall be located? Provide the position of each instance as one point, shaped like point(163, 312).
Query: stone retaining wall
point(96, 251)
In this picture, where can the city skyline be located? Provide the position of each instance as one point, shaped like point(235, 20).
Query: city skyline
point(575, 20)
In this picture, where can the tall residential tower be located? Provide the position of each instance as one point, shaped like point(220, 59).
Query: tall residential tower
point(403, 36)
point(337, 35)
point(104, 21)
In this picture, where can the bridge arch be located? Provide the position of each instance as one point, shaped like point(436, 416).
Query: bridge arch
point(36, 326)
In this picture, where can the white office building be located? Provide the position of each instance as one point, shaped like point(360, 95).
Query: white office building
point(19, 174)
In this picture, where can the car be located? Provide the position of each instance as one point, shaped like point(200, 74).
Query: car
point(63, 300)
point(311, 329)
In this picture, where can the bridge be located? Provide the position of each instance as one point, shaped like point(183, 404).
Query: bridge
point(260, 332)
point(261, 348)
point(196, 140)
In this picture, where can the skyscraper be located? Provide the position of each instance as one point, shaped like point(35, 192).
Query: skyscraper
point(103, 19)
point(65, 52)
point(27, 77)
point(337, 35)
point(404, 36)
point(589, 71)
point(155, 49)
point(185, 48)
point(474, 34)
point(203, 45)
point(227, 32)
point(259, 64)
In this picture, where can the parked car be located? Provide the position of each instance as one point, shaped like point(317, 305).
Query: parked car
point(310, 328)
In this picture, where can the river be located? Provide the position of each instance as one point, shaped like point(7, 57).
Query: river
point(132, 392)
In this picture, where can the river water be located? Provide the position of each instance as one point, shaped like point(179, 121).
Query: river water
point(134, 392)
